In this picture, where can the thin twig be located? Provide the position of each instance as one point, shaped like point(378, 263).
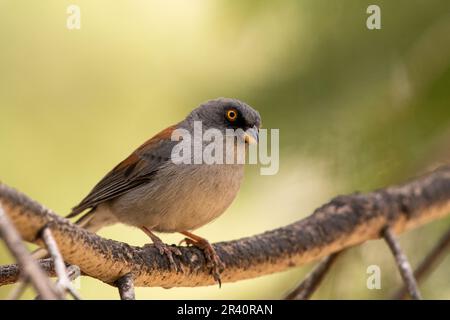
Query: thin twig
point(402, 263)
point(73, 272)
point(431, 260)
point(63, 284)
point(126, 287)
point(13, 271)
point(312, 281)
point(28, 265)
point(19, 289)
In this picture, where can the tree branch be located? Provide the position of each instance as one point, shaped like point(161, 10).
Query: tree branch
point(402, 263)
point(343, 222)
point(11, 273)
point(28, 266)
point(64, 283)
point(313, 280)
point(126, 287)
point(428, 263)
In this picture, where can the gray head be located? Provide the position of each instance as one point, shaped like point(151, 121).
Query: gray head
point(226, 113)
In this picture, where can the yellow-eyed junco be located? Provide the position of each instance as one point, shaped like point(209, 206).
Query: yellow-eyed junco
point(149, 191)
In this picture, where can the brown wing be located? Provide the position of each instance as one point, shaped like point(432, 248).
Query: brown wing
point(132, 172)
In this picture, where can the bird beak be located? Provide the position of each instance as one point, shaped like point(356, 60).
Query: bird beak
point(251, 135)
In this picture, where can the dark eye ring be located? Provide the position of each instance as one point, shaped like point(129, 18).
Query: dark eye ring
point(231, 115)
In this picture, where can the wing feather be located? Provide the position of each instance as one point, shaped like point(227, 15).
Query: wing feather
point(134, 171)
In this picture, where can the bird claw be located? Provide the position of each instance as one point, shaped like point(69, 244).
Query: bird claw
point(168, 251)
point(164, 249)
point(213, 261)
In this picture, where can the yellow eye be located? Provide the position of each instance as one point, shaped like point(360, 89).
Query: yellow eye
point(231, 115)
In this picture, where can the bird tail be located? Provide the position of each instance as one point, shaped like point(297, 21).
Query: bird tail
point(92, 221)
point(89, 222)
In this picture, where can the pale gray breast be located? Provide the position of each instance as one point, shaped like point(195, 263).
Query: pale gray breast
point(180, 197)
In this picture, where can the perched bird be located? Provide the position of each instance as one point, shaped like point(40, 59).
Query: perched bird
point(149, 191)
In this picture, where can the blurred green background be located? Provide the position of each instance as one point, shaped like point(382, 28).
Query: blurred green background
point(357, 109)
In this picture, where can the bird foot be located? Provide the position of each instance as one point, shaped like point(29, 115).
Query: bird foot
point(213, 261)
point(164, 249)
point(169, 251)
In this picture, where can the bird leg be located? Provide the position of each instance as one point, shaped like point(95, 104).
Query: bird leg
point(212, 259)
point(163, 248)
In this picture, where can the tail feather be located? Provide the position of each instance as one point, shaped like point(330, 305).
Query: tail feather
point(85, 221)
point(96, 219)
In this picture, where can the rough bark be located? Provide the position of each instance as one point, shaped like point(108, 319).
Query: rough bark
point(343, 222)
